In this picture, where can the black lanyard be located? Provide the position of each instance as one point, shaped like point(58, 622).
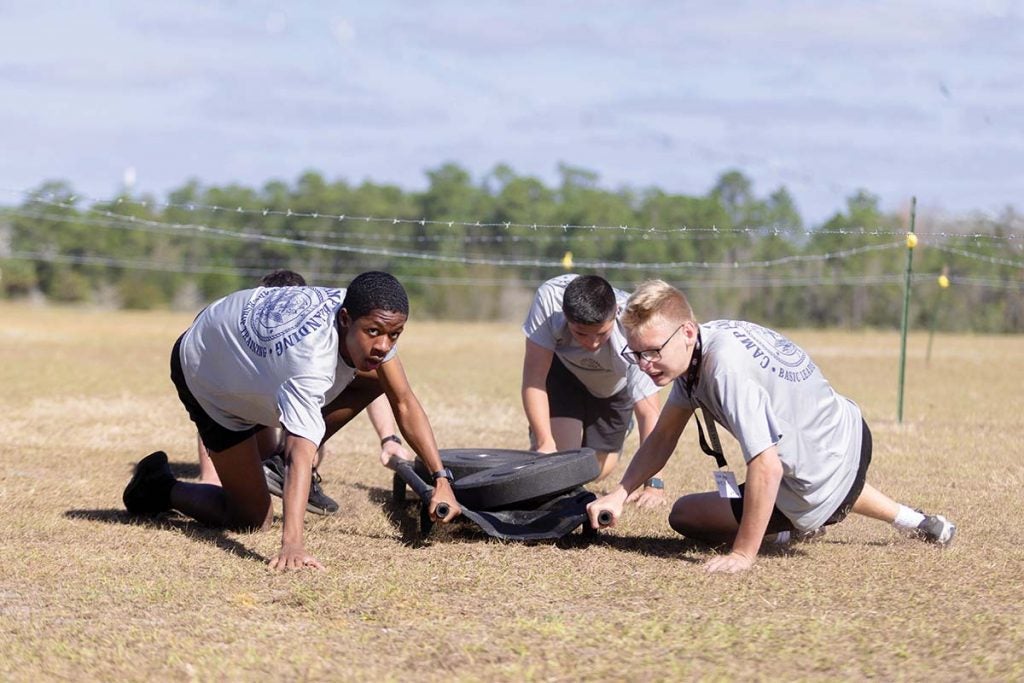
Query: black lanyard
point(690, 381)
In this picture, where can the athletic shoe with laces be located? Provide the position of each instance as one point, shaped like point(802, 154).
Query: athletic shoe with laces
point(936, 529)
point(792, 537)
point(809, 535)
point(149, 491)
point(273, 472)
point(319, 503)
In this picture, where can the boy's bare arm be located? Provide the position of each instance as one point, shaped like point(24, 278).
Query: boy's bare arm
point(300, 454)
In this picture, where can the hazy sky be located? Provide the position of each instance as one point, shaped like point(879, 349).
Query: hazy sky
point(901, 98)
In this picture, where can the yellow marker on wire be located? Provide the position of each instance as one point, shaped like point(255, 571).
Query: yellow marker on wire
point(567, 260)
point(911, 240)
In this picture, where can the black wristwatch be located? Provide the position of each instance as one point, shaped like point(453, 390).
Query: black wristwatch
point(393, 437)
point(444, 473)
point(655, 483)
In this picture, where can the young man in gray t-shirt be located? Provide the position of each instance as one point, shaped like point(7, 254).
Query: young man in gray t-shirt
point(577, 388)
point(806, 447)
point(306, 359)
point(272, 439)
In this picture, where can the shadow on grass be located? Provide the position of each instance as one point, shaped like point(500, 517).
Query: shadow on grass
point(404, 516)
point(696, 552)
point(652, 546)
point(186, 527)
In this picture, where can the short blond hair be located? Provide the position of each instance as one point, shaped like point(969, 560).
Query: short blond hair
point(656, 299)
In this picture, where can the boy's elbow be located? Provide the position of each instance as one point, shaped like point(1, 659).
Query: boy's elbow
point(773, 469)
point(768, 465)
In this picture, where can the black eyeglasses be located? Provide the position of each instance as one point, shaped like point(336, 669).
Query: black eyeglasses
point(649, 355)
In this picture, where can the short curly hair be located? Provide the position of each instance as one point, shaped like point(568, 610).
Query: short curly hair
point(589, 300)
point(375, 290)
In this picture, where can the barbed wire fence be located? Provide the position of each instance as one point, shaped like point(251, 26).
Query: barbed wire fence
point(362, 242)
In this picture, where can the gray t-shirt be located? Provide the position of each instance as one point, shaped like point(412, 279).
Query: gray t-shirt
point(268, 356)
point(603, 372)
point(766, 390)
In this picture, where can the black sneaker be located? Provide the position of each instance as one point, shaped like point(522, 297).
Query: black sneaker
point(318, 502)
point(149, 491)
point(273, 472)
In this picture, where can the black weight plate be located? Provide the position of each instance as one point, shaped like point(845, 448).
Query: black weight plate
point(532, 481)
point(466, 461)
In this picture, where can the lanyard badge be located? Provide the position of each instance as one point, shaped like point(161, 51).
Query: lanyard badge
point(725, 480)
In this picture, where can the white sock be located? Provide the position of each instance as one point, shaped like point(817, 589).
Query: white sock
point(907, 518)
point(781, 538)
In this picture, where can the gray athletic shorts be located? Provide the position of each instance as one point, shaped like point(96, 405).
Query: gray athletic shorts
point(605, 420)
point(779, 522)
point(215, 437)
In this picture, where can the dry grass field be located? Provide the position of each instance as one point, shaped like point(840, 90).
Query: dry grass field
point(88, 593)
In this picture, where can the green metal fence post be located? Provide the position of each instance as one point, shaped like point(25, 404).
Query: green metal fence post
point(911, 243)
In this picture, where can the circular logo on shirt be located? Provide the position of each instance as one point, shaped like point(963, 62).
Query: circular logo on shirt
point(281, 311)
point(783, 351)
point(277, 318)
point(771, 350)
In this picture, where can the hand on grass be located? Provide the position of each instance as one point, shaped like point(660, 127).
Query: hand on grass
point(647, 497)
point(294, 557)
point(732, 563)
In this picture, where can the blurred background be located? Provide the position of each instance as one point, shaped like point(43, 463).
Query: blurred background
point(761, 157)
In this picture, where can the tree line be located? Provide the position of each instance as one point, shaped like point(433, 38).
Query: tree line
point(140, 252)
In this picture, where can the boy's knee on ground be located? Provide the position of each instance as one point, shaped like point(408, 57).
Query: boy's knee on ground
point(685, 517)
point(681, 519)
point(608, 462)
point(691, 517)
point(253, 518)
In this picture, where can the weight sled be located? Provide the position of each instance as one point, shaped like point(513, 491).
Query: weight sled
point(519, 495)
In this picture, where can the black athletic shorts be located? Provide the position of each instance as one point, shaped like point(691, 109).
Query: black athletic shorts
point(779, 522)
point(215, 437)
point(605, 420)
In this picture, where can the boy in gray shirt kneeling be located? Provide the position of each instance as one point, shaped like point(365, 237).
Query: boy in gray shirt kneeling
point(806, 447)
